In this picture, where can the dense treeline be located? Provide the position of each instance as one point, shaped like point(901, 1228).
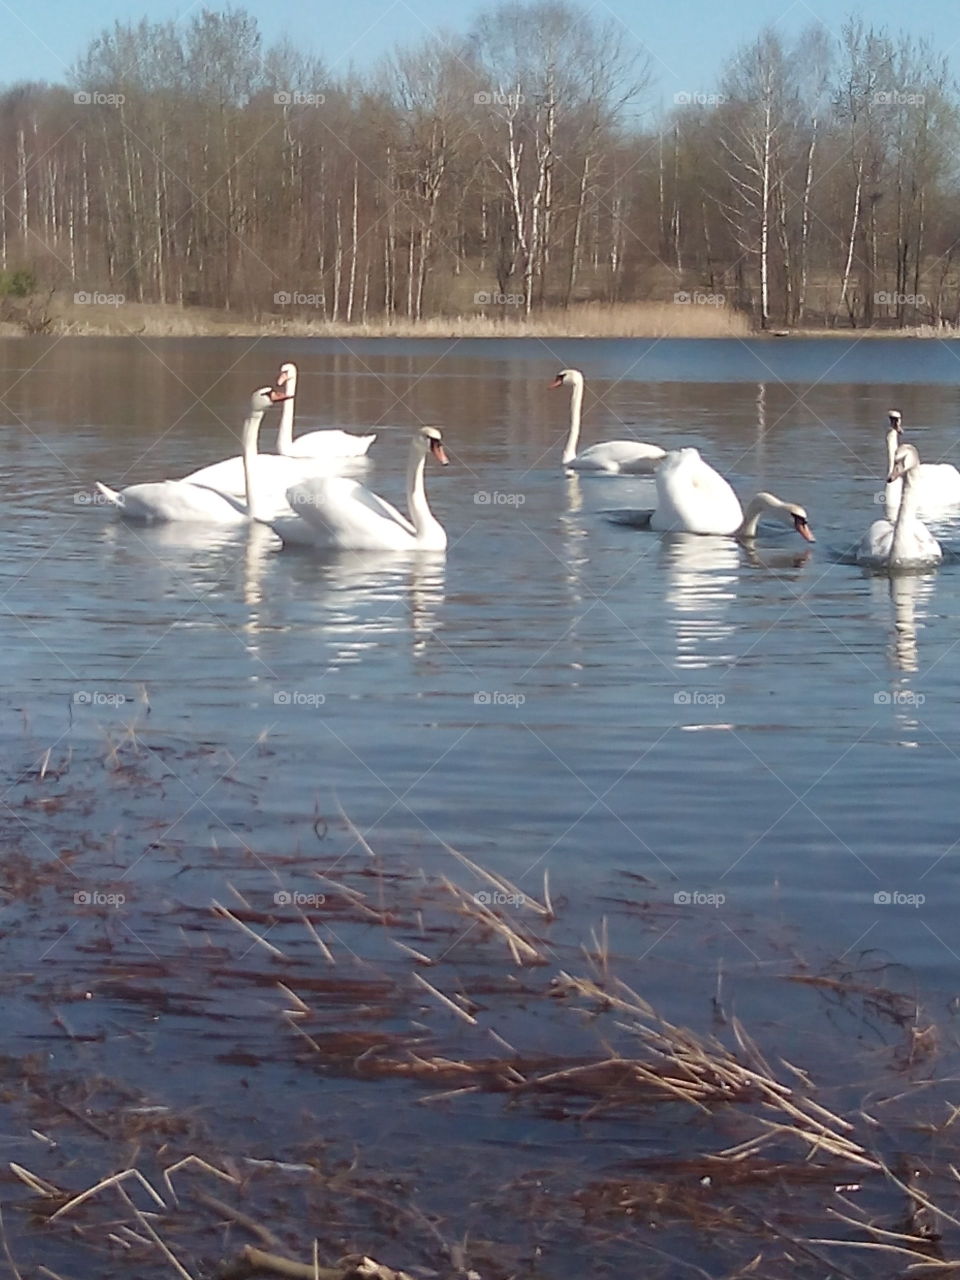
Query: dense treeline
point(511, 167)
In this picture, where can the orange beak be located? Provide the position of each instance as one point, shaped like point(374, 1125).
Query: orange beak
point(803, 529)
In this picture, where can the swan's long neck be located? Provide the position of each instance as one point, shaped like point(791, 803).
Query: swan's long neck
point(576, 402)
point(421, 517)
point(251, 431)
point(893, 442)
point(906, 517)
point(285, 429)
point(758, 505)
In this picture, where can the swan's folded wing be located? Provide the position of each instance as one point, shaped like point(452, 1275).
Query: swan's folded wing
point(275, 474)
point(178, 500)
point(875, 545)
point(629, 516)
point(333, 443)
point(347, 513)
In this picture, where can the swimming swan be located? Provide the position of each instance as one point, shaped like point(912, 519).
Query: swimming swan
point(694, 498)
point(315, 449)
point(937, 484)
point(340, 513)
point(329, 443)
point(628, 457)
point(907, 544)
point(186, 500)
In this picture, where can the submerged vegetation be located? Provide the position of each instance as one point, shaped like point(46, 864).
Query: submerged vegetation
point(243, 1049)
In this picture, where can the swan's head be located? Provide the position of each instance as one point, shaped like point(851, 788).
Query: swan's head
point(788, 513)
point(433, 443)
point(568, 378)
point(904, 461)
point(896, 421)
point(287, 377)
point(798, 518)
point(264, 397)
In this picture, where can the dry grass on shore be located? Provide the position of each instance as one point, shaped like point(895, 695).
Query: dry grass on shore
point(585, 320)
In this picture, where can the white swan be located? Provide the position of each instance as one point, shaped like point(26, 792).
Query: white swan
point(937, 483)
point(316, 450)
point(337, 512)
point(329, 443)
point(694, 498)
point(907, 544)
point(628, 457)
point(185, 500)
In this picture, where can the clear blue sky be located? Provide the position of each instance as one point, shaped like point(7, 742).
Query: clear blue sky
point(687, 40)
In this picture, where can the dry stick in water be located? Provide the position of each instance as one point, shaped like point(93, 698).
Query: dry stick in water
point(445, 1000)
point(253, 1260)
point(499, 882)
point(223, 912)
point(113, 1180)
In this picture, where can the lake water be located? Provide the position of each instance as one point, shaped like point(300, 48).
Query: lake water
point(772, 730)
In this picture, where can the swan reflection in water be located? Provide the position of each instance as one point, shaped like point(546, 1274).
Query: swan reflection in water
point(702, 574)
point(361, 597)
point(908, 592)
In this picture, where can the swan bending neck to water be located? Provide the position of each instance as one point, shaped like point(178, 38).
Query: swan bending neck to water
point(694, 498)
point(907, 544)
point(185, 500)
point(335, 512)
point(788, 513)
point(628, 457)
point(936, 484)
point(329, 443)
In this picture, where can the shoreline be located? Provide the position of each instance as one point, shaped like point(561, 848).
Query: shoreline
point(651, 321)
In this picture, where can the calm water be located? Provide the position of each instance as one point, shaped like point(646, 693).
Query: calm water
point(557, 693)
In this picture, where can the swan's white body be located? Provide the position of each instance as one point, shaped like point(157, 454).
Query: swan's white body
point(166, 500)
point(907, 543)
point(311, 454)
point(335, 512)
point(329, 443)
point(937, 484)
point(694, 498)
point(626, 457)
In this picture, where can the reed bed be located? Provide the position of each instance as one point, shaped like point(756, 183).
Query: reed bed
point(583, 320)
